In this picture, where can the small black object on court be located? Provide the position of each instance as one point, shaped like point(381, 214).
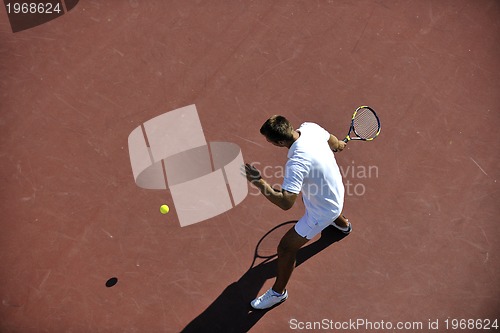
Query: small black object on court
point(111, 282)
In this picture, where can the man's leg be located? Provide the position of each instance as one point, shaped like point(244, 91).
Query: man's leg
point(343, 224)
point(342, 221)
point(287, 251)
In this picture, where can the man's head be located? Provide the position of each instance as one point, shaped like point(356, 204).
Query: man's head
point(278, 131)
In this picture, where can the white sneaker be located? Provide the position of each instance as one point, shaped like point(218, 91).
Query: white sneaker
point(268, 299)
point(347, 230)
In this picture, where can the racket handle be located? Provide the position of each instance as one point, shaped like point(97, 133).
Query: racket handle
point(345, 140)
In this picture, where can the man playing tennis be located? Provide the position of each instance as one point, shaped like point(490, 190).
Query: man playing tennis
point(311, 169)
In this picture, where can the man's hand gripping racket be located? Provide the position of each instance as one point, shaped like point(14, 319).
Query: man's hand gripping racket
point(365, 125)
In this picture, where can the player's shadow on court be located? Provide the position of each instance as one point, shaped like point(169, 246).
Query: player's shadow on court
point(231, 311)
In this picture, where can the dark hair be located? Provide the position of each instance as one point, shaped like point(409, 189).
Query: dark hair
point(277, 128)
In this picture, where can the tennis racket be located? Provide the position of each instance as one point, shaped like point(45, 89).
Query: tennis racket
point(365, 125)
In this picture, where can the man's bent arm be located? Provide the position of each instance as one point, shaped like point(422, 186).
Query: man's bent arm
point(335, 144)
point(283, 199)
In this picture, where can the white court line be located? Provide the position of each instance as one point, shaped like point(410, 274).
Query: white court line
point(478, 166)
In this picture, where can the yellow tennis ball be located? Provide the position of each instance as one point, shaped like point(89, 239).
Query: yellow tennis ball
point(164, 209)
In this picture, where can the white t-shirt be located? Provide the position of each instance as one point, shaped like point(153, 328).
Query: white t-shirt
point(312, 169)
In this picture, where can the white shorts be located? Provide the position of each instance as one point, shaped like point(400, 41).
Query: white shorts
point(308, 228)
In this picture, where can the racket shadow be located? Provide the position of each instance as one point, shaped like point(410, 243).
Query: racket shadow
point(231, 311)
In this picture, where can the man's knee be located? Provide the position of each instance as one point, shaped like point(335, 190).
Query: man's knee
point(291, 242)
point(285, 247)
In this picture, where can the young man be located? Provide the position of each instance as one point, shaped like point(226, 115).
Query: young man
point(311, 169)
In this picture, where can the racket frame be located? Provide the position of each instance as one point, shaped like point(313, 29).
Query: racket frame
point(352, 129)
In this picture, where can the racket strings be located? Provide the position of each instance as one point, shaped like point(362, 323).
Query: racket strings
point(365, 124)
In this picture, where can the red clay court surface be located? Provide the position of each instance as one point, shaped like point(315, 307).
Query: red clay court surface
point(423, 196)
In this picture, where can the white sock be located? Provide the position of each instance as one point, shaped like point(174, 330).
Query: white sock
point(275, 293)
